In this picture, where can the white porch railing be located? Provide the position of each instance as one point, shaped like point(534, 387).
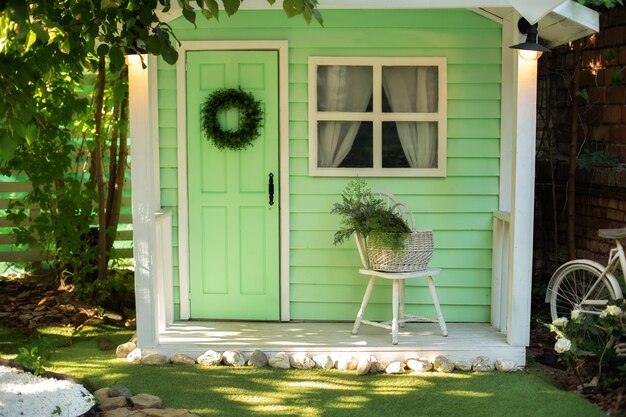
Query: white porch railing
point(163, 269)
point(500, 270)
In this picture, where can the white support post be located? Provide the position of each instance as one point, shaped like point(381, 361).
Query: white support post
point(523, 201)
point(163, 268)
point(143, 199)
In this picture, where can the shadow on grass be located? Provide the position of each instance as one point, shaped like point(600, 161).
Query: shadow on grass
point(251, 392)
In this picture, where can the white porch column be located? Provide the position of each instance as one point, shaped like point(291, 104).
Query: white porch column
point(523, 86)
point(143, 148)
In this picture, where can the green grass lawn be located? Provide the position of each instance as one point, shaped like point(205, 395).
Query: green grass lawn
point(240, 392)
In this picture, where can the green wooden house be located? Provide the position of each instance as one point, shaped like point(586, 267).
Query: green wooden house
point(219, 266)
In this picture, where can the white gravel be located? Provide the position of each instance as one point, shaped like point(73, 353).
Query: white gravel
point(23, 394)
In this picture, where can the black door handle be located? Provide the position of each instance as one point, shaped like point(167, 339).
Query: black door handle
point(270, 187)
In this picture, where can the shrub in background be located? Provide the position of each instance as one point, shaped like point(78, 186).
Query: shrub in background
point(587, 344)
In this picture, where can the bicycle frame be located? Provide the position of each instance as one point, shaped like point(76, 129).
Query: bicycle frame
point(616, 255)
point(618, 252)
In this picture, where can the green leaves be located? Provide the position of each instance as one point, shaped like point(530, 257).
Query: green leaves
point(39, 30)
point(213, 10)
point(31, 133)
point(363, 213)
point(606, 3)
point(37, 354)
point(617, 78)
point(103, 49)
point(108, 4)
point(20, 10)
point(168, 52)
point(7, 146)
point(586, 342)
point(609, 54)
point(307, 8)
point(583, 93)
point(170, 55)
point(231, 6)
point(210, 9)
point(116, 57)
point(293, 7)
point(30, 40)
point(64, 46)
point(190, 15)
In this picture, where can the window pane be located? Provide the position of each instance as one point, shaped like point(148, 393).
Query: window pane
point(344, 88)
point(410, 89)
point(393, 155)
point(344, 144)
point(410, 144)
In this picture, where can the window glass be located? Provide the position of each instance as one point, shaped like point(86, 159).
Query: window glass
point(377, 116)
point(393, 155)
point(410, 89)
point(344, 88)
point(418, 143)
point(344, 144)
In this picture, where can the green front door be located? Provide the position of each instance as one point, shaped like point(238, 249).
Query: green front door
point(233, 230)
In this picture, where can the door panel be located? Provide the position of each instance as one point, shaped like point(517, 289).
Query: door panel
point(233, 231)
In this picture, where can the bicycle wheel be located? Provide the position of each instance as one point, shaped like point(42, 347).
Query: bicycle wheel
point(572, 282)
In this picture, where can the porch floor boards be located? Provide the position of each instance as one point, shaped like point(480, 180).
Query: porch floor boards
point(465, 340)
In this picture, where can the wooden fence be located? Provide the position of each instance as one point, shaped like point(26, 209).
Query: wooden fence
point(11, 189)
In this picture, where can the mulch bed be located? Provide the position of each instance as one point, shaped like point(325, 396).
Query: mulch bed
point(541, 353)
point(32, 301)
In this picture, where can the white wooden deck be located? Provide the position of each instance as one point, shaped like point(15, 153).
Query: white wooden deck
point(465, 341)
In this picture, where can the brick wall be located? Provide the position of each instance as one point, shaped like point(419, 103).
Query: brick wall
point(601, 186)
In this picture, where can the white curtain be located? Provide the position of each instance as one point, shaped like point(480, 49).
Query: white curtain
point(345, 89)
point(412, 89)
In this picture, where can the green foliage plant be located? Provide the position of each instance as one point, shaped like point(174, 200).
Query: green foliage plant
point(601, 3)
point(586, 343)
point(43, 40)
point(363, 213)
point(37, 354)
point(587, 160)
point(48, 51)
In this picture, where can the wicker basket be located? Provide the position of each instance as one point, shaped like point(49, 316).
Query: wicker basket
point(417, 252)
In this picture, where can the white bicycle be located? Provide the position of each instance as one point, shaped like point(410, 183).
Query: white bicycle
point(587, 285)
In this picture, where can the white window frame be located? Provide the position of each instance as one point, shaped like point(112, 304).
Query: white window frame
point(377, 117)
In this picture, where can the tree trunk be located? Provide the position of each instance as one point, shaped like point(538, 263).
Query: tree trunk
point(573, 154)
point(116, 180)
point(112, 162)
point(99, 180)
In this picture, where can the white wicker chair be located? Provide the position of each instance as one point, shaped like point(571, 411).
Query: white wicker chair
point(398, 279)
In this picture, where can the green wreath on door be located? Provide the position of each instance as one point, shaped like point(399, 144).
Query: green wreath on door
point(250, 118)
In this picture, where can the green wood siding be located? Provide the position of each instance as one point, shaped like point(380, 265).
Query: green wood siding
point(324, 284)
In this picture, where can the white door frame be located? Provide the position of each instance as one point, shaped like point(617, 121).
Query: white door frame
point(283, 186)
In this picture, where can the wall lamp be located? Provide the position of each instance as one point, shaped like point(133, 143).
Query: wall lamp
point(530, 50)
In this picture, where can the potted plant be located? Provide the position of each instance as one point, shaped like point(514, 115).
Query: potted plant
point(391, 244)
point(363, 213)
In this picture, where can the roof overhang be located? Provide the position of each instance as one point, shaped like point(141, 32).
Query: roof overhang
point(565, 23)
point(560, 21)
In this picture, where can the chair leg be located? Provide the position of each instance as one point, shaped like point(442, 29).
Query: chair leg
point(433, 294)
point(401, 306)
point(394, 307)
point(366, 299)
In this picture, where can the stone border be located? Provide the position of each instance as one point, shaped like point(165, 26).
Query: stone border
point(358, 363)
point(119, 401)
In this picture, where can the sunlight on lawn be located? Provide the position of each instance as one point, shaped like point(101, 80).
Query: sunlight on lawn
point(247, 391)
point(317, 385)
point(469, 393)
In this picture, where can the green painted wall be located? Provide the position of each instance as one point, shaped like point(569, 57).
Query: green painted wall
point(324, 281)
